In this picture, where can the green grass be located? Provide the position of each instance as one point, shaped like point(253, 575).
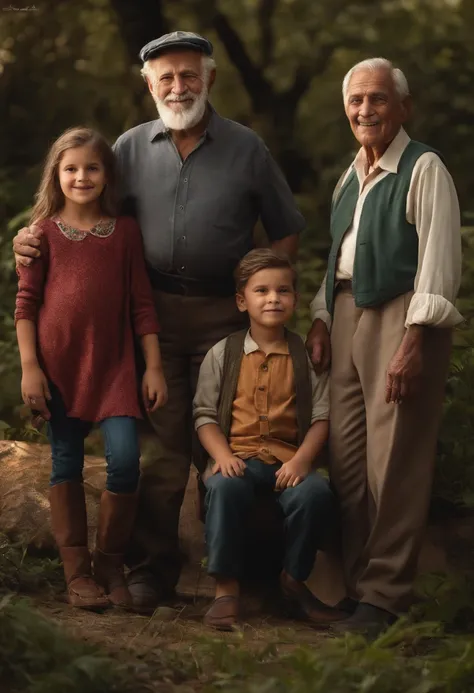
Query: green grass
point(36, 656)
point(417, 655)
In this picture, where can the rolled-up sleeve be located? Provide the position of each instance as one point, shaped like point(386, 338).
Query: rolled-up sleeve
point(278, 211)
point(434, 208)
point(206, 399)
point(320, 395)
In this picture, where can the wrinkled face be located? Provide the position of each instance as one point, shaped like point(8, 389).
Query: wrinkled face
point(374, 109)
point(179, 88)
point(269, 297)
point(81, 174)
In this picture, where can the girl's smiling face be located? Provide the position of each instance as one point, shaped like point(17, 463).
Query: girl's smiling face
point(81, 175)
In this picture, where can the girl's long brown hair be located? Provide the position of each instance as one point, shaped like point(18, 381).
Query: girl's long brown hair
point(50, 197)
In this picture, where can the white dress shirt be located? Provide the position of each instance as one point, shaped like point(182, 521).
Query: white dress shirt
point(433, 207)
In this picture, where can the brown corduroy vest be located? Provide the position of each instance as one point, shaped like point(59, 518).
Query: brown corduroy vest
point(233, 353)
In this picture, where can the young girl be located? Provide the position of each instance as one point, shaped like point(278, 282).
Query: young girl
point(78, 308)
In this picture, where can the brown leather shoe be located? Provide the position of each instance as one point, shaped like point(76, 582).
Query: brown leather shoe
point(223, 613)
point(301, 604)
point(69, 524)
point(116, 518)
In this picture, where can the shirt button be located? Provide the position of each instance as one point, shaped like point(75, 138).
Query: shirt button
point(182, 268)
point(183, 238)
point(185, 180)
point(262, 388)
point(264, 367)
point(181, 207)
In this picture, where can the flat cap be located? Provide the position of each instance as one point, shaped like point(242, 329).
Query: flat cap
point(177, 39)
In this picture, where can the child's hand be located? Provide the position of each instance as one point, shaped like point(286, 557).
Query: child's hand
point(291, 474)
point(154, 389)
point(230, 466)
point(35, 390)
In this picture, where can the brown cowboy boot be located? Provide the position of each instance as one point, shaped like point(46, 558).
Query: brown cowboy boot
point(116, 518)
point(69, 524)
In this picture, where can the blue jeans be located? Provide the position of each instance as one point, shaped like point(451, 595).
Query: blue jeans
point(67, 436)
point(309, 510)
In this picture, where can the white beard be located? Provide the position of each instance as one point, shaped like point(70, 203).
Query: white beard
point(188, 117)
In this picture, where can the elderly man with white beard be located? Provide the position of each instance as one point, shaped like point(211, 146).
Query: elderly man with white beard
point(198, 183)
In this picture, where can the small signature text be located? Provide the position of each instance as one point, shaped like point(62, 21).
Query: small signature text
point(14, 8)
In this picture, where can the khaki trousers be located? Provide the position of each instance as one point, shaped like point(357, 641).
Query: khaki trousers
point(382, 455)
point(190, 326)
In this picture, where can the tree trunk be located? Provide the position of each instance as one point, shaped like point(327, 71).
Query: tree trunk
point(140, 21)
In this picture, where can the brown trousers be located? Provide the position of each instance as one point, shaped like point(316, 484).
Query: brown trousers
point(190, 326)
point(382, 455)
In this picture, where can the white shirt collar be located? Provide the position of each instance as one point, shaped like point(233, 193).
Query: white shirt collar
point(390, 159)
point(250, 345)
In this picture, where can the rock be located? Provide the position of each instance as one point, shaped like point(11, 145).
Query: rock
point(24, 489)
point(165, 613)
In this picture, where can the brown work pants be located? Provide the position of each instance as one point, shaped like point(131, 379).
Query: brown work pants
point(382, 455)
point(190, 326)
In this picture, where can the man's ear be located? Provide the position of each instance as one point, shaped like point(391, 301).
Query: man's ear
point(407, 108)
point(241, 302)
point(212, 79)
point(150, 84)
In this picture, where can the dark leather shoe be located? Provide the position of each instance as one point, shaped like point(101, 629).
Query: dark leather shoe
point(301, 604)
point(367, 619)
point(223, 613)
point(348, 605)
point(144, 590)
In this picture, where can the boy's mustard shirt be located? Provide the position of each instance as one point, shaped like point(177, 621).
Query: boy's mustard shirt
point(264, 420)
point(264, 423)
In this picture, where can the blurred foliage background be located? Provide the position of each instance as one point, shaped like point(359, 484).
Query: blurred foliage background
point(280, 68)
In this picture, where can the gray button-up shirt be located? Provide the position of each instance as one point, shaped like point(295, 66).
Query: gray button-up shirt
point(198, 216)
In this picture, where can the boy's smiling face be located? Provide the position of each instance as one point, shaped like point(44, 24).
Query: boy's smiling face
point(269, 297)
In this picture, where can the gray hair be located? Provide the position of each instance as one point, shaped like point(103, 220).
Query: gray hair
point(207, 65)
point(399, 79)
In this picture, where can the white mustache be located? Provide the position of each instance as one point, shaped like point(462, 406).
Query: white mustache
point(177, 99)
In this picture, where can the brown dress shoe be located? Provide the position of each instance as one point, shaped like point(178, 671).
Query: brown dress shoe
point(69, 524)
point(116, 518)
point(223, 613)
point(301, 604)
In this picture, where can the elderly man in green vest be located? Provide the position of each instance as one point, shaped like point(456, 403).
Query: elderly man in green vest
point(383, 318)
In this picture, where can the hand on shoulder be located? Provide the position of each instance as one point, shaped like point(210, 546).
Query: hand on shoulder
point(26, 244)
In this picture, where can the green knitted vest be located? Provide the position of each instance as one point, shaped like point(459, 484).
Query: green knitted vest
point(386, 256)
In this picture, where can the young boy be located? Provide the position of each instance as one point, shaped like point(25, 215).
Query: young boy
point(262, 415)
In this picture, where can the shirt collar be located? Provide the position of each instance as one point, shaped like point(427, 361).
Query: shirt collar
point(390, 159)
point(250, 345)
point(160, 130)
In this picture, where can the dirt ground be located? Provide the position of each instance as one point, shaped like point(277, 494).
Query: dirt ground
point(174, 627)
